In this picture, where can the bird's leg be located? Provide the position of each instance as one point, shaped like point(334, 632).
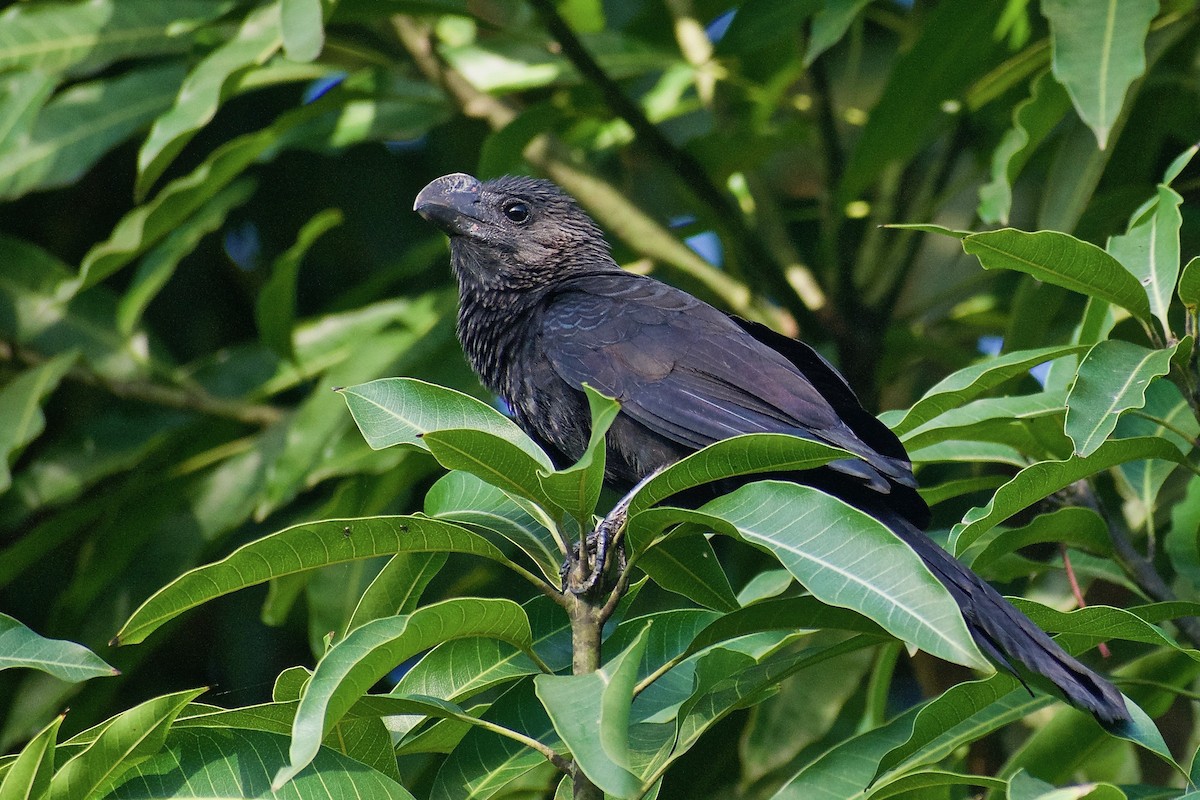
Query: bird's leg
point(607, 535)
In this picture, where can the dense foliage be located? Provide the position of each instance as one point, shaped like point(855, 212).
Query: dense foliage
point(204, 229)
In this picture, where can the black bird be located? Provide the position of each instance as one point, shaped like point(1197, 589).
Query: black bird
point(545, 309)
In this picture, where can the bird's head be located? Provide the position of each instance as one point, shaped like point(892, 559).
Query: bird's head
point(512, 232)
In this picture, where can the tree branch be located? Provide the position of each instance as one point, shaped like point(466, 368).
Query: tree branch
point(191, 399)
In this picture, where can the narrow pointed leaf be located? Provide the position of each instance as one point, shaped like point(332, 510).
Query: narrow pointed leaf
point(392, 411)
point(1044, 478)
point(357, 662)
point(78, 38)
point(82, 123)
point(1112, 379)
point(970, 382)
point(461, 497)
point(1150, 251)
point(68, 661)
point(1099, 49)
point(296, 549)
point(256, 40)
point(843, 556)
point(21, 418)
point(1063, 260)
point(28, 777)
point(203, 763)
point(738, 455)
point(127, 739)
point(491, 458)
point(22, 95)
point(1033, 120)
point(576, 489)
point(591, 714)
point(275, 310)
point(302, 25)
point(397, 588)
point(159, 264)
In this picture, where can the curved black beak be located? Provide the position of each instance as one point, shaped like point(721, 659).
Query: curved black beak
point(451, 202)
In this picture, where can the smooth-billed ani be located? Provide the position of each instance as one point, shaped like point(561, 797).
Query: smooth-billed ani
point(545, 309)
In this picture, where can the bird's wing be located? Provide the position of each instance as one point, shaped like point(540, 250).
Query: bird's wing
point(687, 372)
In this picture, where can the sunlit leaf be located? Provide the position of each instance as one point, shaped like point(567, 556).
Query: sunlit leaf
point(1112, 379)
point(275, 310)
point(298, 548)
point(1042, 479)
point(21, 647)
point(81, 124)
point(1150, 250)
point(29, 774)
point(125, 740)
point(1098, 52)
point(576, 488)
point(370, 652)
point(200, 94)
point(84, 37)
point(302, 25)
point(1062, 260)
point(591, 714)
point(237, 763)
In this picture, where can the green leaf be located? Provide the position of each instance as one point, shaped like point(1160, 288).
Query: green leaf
point(1166, 415)
point(67, 661)
point(1043, 479)
point(1063, 260)
point(591, 714)
point(302, 24)
point(158, 265)
point(1072, 526)
point(829, 25)
point(1022, 786)
point(201, 93)
point(1189, 284)
point(1182, 542)
point(1033, 120)
point(146, 225)
point(296, 549)
point(760, 24)
point(737, 455)
point(21, 418)
point(81, 124)
point(275, 310)
point(970, 382)
point(397, 588)
point(576, 489)
point(84, 37)
point(22, 95)
point(844, 557)
point(1150, 250)
point(686, 564)
point(28, 776)
point(125, 740)
point(974, 419)
point(463, 498)
point(1112, 379)
point(392, 411)
point(1098, 52)
point(915, 784)
point(370, 652)
point(500, 65)
point(205, 763)
point(492, 458)
point(484, 762)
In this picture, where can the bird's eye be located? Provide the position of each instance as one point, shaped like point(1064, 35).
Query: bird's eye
point(517, 211)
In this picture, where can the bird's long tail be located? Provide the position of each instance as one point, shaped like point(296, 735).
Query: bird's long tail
point(1007, 635)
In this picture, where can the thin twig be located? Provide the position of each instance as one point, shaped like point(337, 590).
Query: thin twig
point(195, 400)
